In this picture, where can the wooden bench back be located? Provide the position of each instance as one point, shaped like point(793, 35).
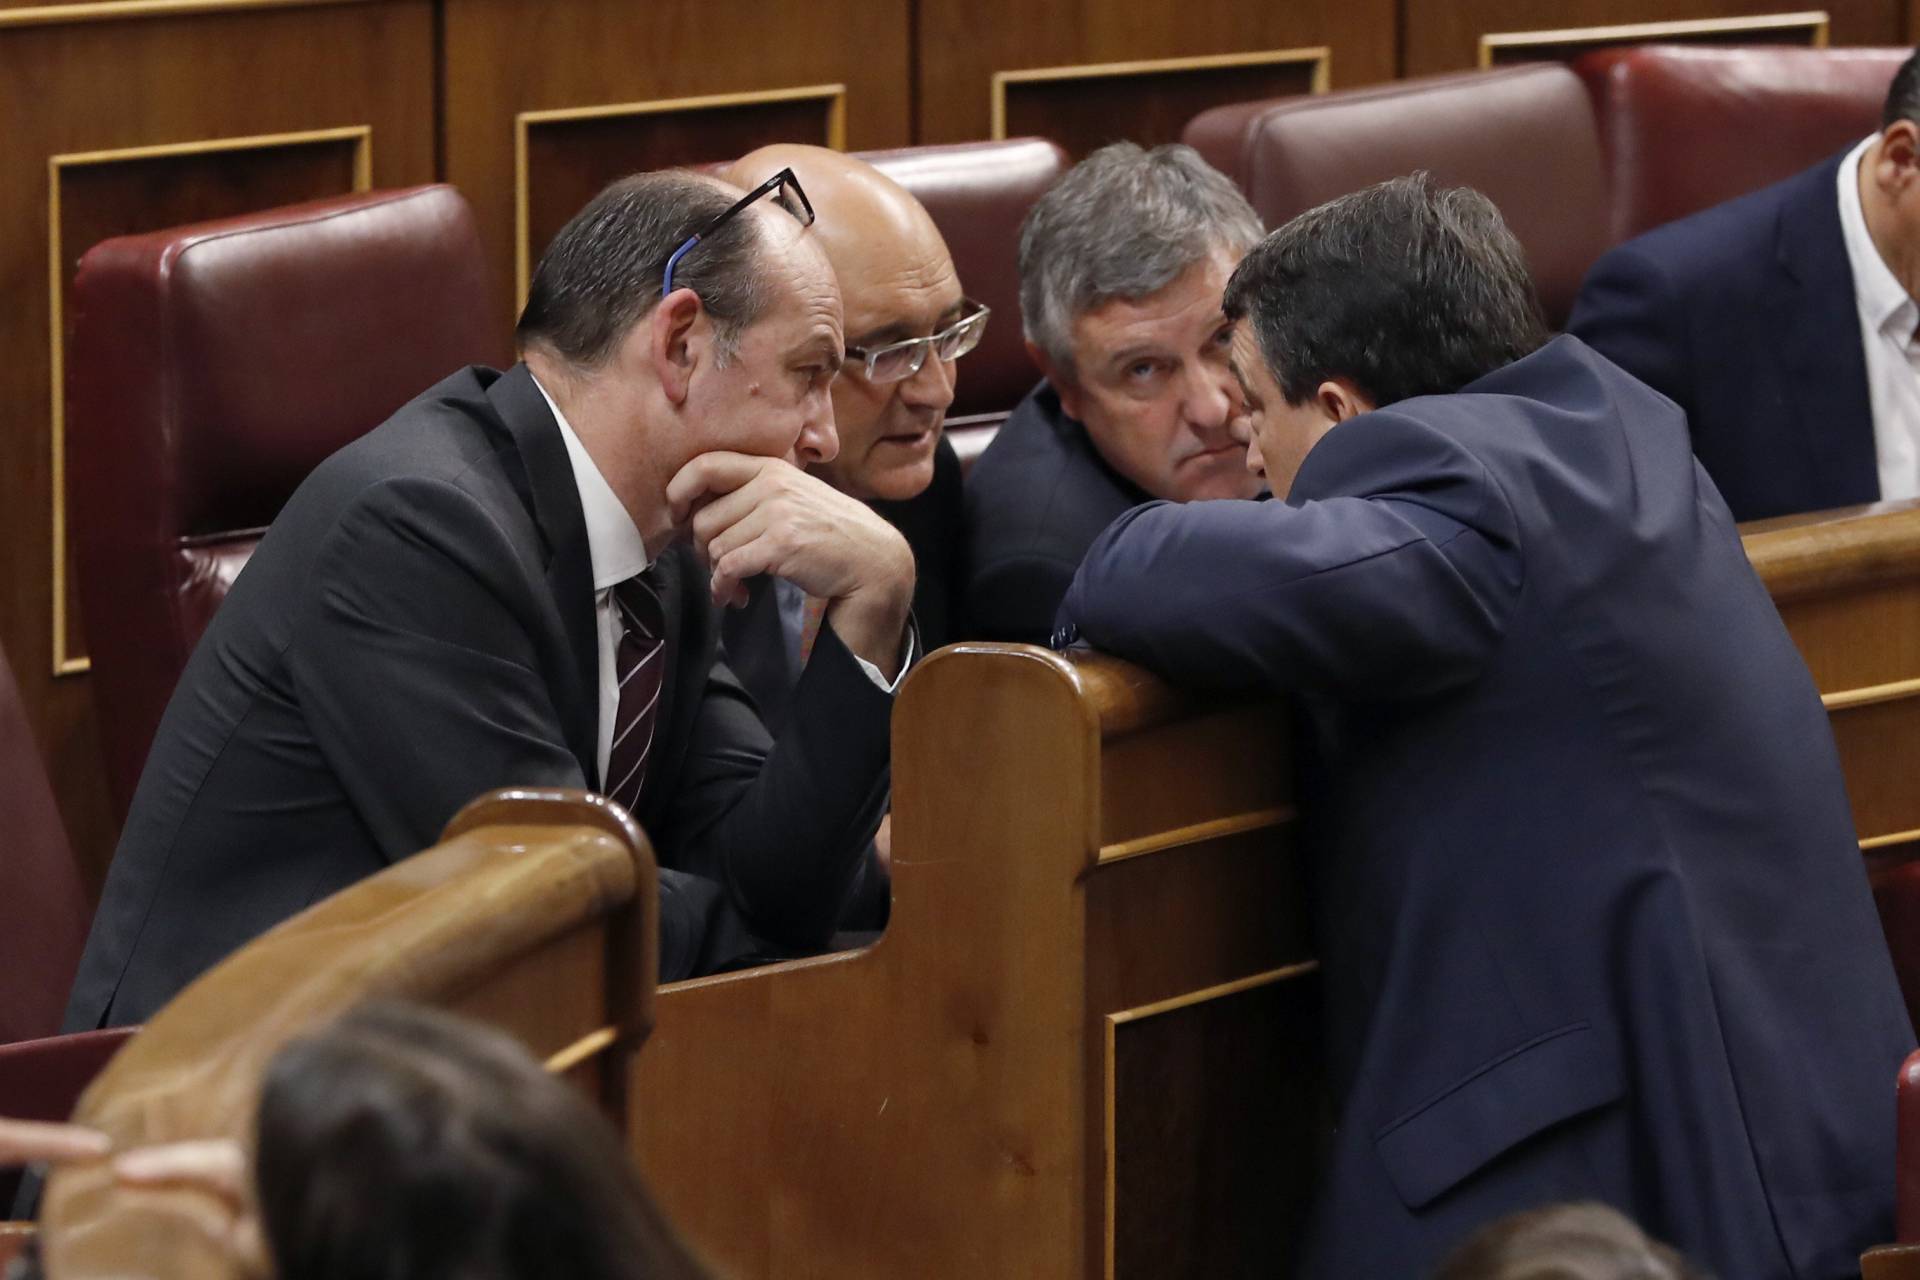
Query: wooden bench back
point(535, 913)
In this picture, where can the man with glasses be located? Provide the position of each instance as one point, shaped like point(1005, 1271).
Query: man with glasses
point(508, 583)
point(908, 323)
point(1121, 268)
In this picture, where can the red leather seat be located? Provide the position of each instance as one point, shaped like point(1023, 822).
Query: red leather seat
point(43, 1080)
point(211, 368)
point(978, 194)
point(1524, 136)
point(44, 907)
point(1685, 127)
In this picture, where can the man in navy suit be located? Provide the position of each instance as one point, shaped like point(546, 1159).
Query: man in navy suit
point(1783, 323)
point(1592, 918)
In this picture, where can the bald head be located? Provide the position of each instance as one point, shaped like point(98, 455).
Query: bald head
point(897, 282)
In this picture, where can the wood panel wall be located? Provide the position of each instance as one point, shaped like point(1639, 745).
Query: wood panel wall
point(123, 115)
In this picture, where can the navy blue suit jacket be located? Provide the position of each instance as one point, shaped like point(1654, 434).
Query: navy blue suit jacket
point(1744, 316)
point(1593, 919)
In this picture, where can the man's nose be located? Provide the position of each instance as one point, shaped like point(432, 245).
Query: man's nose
point(932, 386)
point(1208, 402)
point(819, 441)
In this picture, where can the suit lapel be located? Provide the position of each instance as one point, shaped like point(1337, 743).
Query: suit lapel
point(556, 508)
point(1823, 367)
point(688, 655)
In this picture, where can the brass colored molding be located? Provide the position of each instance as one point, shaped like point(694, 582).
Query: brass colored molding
point(66, 663)
point(1868, 696)
point(1813, 21)
point(50, 15)
point(834, 95)
point(1320, 56)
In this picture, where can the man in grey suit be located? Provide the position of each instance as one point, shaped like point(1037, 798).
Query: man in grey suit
point(507, 583)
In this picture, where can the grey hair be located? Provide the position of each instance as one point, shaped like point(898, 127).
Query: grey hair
point(1123, 223)
point(602, 273)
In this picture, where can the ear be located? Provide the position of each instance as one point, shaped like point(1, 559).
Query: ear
point(1899, 162)
point(673, 333)
point(1340, 399)
point(1060, 379)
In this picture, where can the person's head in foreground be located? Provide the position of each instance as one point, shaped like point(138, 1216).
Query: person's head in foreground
point(1585, 1241)
point(1399, 290)
point(732, 347)
point(907, 323)
point(400, 1141)
point(1122, 263)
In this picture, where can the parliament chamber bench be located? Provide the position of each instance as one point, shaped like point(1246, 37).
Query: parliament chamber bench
point(1087, 1045)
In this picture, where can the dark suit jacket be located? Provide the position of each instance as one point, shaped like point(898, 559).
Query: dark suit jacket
point(1036, 500)
point(418, 627)
point(1744, 315)
point(1592, 917)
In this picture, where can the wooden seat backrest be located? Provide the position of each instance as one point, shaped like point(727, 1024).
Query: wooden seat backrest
point(535, 913)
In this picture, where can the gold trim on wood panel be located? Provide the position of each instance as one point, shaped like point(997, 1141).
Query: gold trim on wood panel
point(65, 663)
point(1813, 21)
point(1889, 841)
point(1114, 1021)
point(1321, 56)
point(580, 1050)
point(1865, 697)
point(1213, 828)
point(834, 95)
point(45, 15)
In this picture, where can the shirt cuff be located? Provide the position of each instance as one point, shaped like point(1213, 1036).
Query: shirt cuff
point(909, 651)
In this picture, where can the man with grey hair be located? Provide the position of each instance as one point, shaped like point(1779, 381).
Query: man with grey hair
point(509, 583)
point(1122, 264)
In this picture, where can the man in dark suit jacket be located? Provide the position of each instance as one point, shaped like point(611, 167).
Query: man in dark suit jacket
point(908, 324)
point(1592, 920)
point(1121, 267)
point(1783, 324)
point(456, 602)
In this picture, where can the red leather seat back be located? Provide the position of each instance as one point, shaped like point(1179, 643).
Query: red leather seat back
point(44, 911)
point(978, 194)
point(1906, 1180)
point(1524, 136)
point(211, 368)
point(43, 1079)
point(1686, 127)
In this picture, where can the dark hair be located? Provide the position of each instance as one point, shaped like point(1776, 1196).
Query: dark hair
point(1903, 95)
point(1123, 223)
point(404, 1142)
point(1585, 1241)
point(1403, 288)
point(602, 273)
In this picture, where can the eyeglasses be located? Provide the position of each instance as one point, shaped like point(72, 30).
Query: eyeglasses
point(898, 361)
point(787, 194)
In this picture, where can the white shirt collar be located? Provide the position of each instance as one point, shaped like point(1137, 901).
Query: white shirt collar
point(1882, 300)
point(613, 540)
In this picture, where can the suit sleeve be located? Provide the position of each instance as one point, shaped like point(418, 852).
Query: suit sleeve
point(414, 662)
point(784, 825)
point(1398, 584)
point(1631, 312)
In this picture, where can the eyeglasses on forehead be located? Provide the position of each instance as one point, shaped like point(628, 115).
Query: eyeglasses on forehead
point(786, 192)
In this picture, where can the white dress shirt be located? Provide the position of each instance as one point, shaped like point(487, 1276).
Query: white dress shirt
point(618, 553)
point(1888, 317)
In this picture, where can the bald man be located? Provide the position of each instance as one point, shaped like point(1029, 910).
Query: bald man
point(907, 323)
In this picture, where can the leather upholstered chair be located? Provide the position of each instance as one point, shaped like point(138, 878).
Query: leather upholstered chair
point(1525, 136)
point(1685, 127)
point(44, 907)
point(978, 194)
point(211, 368)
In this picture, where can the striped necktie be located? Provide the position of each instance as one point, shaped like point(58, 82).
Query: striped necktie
point(640, 663)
